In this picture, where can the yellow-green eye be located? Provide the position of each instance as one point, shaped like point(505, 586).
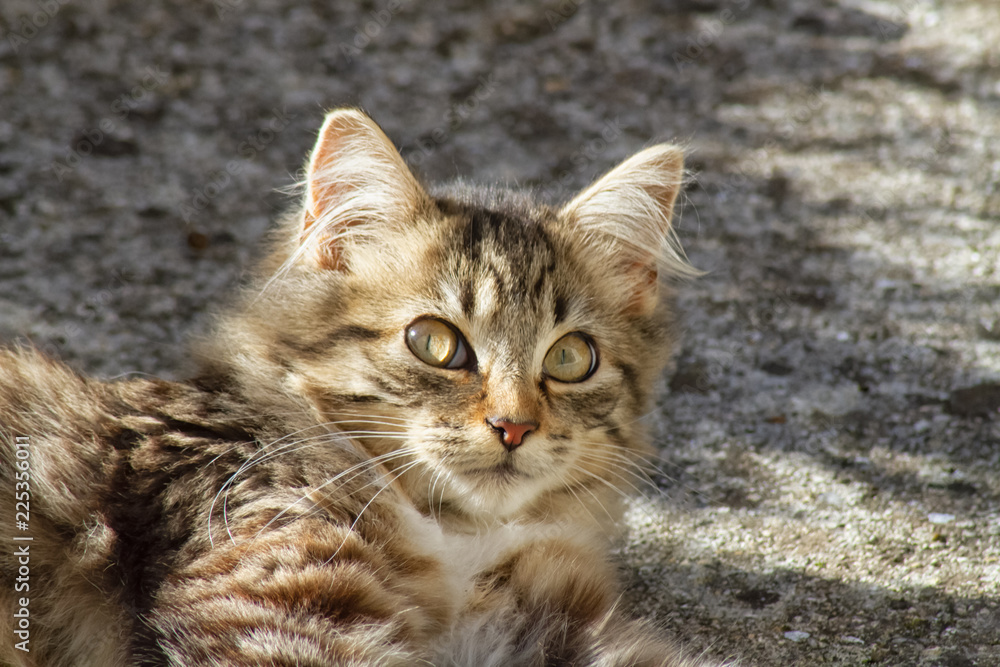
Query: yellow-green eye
point(437, 343)
point(572, 359)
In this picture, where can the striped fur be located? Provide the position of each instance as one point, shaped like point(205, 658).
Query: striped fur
point(317, 494)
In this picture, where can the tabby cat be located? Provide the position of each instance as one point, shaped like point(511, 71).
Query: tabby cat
point(405, 446)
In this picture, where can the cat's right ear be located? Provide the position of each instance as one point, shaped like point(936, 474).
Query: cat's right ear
point(356, 182)
point(626, 216)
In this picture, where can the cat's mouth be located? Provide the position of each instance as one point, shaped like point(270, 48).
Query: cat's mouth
point(504, 471)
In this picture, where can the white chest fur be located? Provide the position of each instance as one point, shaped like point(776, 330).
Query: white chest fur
point(464, 555)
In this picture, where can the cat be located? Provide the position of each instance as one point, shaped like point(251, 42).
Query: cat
point(406, 444)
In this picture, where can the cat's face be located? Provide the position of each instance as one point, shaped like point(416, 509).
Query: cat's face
point(490, 350)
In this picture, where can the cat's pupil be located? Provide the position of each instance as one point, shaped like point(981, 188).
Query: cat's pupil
point(438, 346)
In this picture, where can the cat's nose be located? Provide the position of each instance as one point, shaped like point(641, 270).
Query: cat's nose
point(511, 433)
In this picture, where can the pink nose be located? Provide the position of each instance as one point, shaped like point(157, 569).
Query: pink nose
point(512, 433)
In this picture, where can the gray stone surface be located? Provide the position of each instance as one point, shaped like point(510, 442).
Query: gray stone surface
point(829, 438)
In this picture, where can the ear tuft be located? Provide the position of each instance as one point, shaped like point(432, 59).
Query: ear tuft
point(628, 212)
point(356, 183)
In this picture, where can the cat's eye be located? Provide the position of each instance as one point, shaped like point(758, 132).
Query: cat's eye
point(437, 343)
point(572, 359)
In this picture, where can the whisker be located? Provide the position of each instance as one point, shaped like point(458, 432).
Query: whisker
point(246, 465)
point(583, 506)
point(262, 455)
point(601, 480)
point(658, 470)
point(646, 465)
point(367, 505)
point(623, 470)
point(267, 452)
point(401, 420)
point(616, 490)
point(430, 493)
point(624, 480)
point(358, 469)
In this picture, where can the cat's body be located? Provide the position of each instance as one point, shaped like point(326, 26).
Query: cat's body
point(406, 446)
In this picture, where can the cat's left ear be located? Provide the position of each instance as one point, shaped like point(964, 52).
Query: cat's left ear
point(356, 184)
point(627, 213)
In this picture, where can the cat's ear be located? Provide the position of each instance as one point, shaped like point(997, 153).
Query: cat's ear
point(356, 183)
point(627, 212)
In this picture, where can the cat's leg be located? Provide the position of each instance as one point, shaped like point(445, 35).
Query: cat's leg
point(311, 594)
point(558, 601)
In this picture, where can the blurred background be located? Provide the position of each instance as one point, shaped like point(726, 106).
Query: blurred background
point(829, 435)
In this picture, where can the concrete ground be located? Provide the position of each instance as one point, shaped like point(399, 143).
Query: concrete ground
point(829, 437)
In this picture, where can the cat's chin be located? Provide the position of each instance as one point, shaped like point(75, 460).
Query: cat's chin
point(501, 491)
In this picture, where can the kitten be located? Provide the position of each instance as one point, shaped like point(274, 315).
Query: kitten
point(405, 445)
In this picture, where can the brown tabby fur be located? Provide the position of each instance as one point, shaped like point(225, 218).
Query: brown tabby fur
point(317, 495)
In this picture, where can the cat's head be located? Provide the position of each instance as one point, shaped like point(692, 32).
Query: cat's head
point(506, 349)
